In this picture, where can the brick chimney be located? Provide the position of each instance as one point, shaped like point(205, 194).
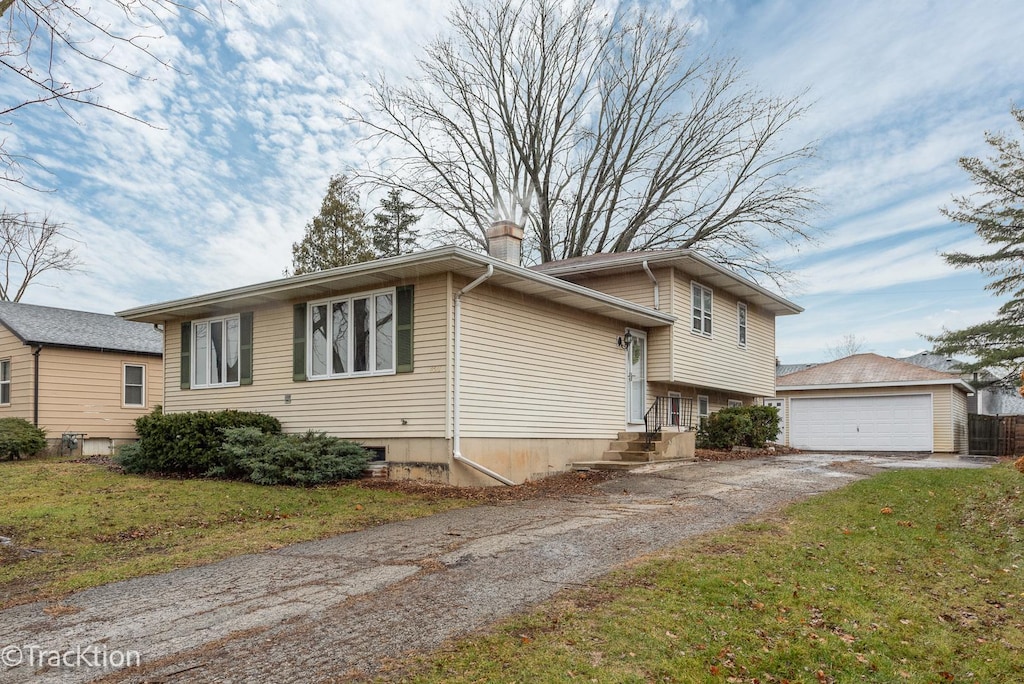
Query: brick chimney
point(504, 241)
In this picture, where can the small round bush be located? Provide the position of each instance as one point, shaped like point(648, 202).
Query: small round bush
point(20, 438)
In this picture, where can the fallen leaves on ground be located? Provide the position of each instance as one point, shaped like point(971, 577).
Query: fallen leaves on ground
point(563, 484)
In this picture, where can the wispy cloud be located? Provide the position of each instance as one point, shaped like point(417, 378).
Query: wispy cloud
point(251, 124)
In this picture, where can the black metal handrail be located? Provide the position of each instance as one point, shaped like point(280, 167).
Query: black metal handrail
point(665, 412)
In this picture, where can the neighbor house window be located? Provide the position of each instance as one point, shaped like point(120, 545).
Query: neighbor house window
point(352, 336)
point(5, 381)
point(134, 385)
point(215, 352)
point(701, 309)
point(703, 409)
point(741, 318)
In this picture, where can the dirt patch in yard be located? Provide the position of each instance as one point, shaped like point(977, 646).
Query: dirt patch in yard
point(741, 453)
point(563, 484)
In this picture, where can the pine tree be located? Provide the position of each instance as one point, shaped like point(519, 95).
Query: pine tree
point(393, 232)
point(337, 235)
point(996, 210)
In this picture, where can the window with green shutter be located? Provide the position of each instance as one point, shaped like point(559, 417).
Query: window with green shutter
point(186, 355)
point(403, 329)
point(299, 343)
point(245, 349)
point(370, 333)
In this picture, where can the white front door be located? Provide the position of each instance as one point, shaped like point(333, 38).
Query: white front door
point(781, 405)
point(636, 378)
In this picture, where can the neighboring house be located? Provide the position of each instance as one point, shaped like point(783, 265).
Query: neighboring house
point(993, 395)
point(78, 372)
point(469, 368)
point(868, 402)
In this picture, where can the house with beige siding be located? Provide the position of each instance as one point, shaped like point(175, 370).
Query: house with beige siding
point(471, 369)
point(867, 402)
point(78, 373)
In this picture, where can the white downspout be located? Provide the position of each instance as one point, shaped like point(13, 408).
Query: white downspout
point(457, 390)
point(657, 297)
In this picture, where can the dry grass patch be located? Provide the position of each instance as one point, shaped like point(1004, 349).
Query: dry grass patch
point(833, 591)
point(76, 525)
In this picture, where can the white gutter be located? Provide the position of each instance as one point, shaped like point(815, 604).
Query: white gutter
point(456, 428)
point(657, 299)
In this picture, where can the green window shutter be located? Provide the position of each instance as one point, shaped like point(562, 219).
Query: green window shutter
point(186, 355)
point(245, 348)
point(403, 328)
point(299, 343)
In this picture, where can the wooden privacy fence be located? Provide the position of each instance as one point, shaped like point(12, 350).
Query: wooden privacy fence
point(995, 435)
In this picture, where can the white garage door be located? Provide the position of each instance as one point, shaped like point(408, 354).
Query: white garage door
point(881, 423)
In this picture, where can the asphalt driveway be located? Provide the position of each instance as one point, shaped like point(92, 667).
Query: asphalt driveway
point(324, 609)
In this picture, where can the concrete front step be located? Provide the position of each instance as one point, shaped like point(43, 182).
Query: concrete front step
point(622, 465)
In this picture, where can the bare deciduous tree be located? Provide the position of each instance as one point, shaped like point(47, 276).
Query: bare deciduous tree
point(597, 132)
point(30, 247)
point(847, 345)
point(46, 44)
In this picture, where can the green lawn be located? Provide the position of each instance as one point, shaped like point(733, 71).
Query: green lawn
point(912, 576)
point(96, 526)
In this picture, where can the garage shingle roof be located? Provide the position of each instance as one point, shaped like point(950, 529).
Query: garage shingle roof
point(47, 326)
point(861, 369)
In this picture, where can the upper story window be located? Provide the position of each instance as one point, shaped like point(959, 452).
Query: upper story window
point(215, 352)
point(701, 298)
point(134, 385)
point(5, 381)
point(741, 319)
point(352, 336)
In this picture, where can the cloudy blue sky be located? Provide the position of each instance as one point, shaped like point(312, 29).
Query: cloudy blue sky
point(248, 129)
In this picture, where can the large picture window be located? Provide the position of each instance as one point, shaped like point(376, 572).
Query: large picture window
point(352, 336)
point(215, 352)
point(5, 381)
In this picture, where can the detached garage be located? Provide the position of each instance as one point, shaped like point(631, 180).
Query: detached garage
point(868, 402)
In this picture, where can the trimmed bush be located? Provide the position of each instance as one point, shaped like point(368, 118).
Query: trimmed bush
point(275, 459)
point(188, 443)
point(765, 428)
point(750, 426)
point(20, 438)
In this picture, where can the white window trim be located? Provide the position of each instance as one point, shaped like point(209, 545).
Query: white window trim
point(707, 403)
point(371, 361)
point(735, 403)
point(124, 385)
point(742, 324)
point(677, 417)
point(193, 357)
point(708, 316)
point(7, 381)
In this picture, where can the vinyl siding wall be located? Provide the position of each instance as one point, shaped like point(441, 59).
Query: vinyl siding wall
point(83, 391)
point(718, 361)
point(949, 409)
point(79, 390)
point(366, 408)
point(534, 369)
point(637, 287)
point(718, 364)
point(20, 357)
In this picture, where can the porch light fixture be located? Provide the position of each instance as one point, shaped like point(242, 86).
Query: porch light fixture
point(626, 340)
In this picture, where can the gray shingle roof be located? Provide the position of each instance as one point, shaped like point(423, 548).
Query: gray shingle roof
point(862, 368)
point(66, 328)
point(787, 368)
